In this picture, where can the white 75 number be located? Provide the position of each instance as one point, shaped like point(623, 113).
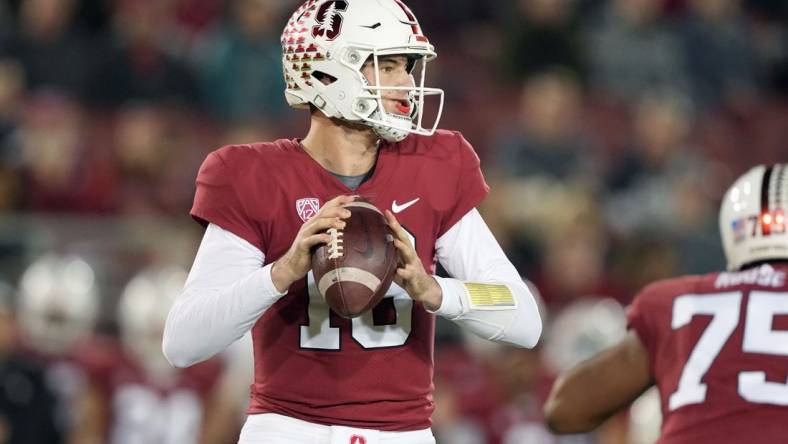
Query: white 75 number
point(758, 338)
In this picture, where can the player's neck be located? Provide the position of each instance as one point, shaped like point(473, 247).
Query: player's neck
point(349, 150)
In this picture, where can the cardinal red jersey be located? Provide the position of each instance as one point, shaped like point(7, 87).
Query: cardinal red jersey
point(374, 371)
point(718, 345)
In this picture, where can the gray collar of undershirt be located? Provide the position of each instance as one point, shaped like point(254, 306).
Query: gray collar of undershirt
point(351, 182)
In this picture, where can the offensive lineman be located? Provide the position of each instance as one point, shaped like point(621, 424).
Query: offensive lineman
point(714, 345)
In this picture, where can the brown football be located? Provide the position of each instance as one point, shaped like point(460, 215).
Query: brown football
point(354, 271)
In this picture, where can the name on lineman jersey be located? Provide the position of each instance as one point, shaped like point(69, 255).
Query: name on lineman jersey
point(764, 276)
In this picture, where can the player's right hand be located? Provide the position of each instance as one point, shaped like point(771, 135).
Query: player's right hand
point(297, 262)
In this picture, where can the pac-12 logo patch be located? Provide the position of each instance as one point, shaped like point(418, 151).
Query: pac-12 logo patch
point(307, 207)
point(329, 19)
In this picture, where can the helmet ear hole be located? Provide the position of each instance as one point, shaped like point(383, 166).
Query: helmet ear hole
point(325, 79)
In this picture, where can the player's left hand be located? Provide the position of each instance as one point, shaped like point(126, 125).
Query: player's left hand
point(410, 274)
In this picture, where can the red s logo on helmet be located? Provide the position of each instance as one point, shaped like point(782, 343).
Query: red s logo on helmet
point(329, 19)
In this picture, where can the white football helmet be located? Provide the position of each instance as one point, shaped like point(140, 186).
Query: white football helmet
point(142, 313)
point(582, 329)
point(332, 39)
point(57, 303)
point(752, 217)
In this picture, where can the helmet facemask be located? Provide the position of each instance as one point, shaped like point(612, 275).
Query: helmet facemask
point(394, 127)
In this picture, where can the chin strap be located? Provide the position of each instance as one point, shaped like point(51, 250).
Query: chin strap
point(389, 134)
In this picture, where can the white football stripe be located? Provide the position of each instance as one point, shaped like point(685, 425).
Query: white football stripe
point(348, 274)
point(364, 205)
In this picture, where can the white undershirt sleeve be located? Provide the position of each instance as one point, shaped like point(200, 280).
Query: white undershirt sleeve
point(470, 253)
point(227, 291)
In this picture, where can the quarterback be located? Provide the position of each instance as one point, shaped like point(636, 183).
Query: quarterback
point(714, 345)
point(358, 67)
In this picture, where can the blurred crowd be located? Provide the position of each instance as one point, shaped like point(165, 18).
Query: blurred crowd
point(608, 130)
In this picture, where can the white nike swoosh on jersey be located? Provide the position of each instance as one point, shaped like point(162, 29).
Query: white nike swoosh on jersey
point(399, 208)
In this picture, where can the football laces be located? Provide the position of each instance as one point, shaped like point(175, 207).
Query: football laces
point(335, 246)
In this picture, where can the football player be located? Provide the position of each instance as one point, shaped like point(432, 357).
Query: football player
point(27, 403)
point(144, 399)
point(57, 308)
point(358, 66)
point(714, 345)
